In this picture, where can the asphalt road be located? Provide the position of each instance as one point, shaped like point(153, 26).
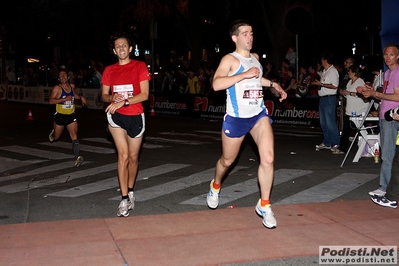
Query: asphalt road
point(38, 181)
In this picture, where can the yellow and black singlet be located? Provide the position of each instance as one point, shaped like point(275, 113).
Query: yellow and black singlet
point(66, 107)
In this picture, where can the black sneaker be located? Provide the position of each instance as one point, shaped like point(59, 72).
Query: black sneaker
point(383, 201)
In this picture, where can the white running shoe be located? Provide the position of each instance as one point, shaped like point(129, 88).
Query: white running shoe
point(321, 146)
point(377, 192)
point(123, 209)
point(267, 214)
point(131, 200)
point(212, 199)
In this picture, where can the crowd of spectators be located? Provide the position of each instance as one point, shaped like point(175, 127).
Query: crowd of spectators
point(85, 76)
point(185, 79)
point(179, 77)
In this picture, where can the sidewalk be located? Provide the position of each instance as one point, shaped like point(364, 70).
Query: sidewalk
point(211, 237)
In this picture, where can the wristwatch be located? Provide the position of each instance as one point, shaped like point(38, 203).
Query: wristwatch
point(127, 103)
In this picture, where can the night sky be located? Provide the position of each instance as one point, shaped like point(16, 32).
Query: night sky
point(81, 28)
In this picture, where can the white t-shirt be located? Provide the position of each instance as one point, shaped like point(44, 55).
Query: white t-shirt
point(355, 103)
point(329, 76)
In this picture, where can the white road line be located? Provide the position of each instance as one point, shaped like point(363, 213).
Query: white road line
point(209, 132)
point(330, 189)
point(87, 189)
point(7, 164)
point(106, 141)
point(113, 182)
point(22, 186)
point(175, 185)
point(37, 152)
point(40, 170)
point(243, 189)
point(153, 146)
point(82, 147)
point(159, 170)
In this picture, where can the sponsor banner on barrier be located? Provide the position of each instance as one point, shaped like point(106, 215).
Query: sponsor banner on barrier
point(93, 98)
point(292, 111)
point(19, 93)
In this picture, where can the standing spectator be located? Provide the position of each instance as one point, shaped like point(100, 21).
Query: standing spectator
point(283, 72)
point(175, 81)
point(192, 86)
point(87, 78)
point(202, 81)
point(10, 75)
point(63, 96)
point(31, 77)
point(313, 89)
point(290, 84)
point(291, 56)
point(166, 82)
point(128, 82)
point(240, 73)
point(389, 100)
point(96, 77)
point(343, 81)
point(183, 79)
point(354, 103)
point(21, 75)
point(78, 78)
point(53, 74)
point(327, 104)
point(344, 77)
point(100, 67)
point(390, 199)
point(303, 82)
point(269, 72)
point(210, 75)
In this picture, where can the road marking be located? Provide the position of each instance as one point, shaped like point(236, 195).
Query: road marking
point(82, 147)
point(113, 182)
point(209, 132)
point(22, 186)
point(106, 141)
point(7, 164)
point(330, 189)
point(153, 146)
point(37, 152)
point(230, 193)
point(40, 170)
point(87, 189)
point(175, 185)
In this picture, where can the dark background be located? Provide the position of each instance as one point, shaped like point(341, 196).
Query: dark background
point(77, 31)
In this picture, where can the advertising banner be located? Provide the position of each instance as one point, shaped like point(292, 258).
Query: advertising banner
point(292, 111)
